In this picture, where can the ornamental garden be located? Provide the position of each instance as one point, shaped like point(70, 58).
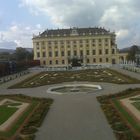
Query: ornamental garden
point(94, 75)
point(122, 111)
point(20, 116)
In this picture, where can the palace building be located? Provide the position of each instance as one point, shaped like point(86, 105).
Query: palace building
point(76, 47)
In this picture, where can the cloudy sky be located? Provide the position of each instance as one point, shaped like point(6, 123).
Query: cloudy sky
point(20, 19)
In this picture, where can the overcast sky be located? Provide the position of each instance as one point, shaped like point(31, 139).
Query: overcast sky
point(20, 19)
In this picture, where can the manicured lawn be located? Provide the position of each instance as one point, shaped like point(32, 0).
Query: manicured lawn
point(95, 75)
point(126, 115)
point(15, 104)
point(21, 120)
point(6, 112)
point(124, 124)
point(29, 121)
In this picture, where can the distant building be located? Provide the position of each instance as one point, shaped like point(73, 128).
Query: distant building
point(76, 46)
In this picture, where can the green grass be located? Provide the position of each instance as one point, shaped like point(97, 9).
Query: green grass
point(15, 104)
point(20, 121)
point(124, 125)
point(95, 75)
point(126, 115)
point(6, 112)
point(35, 114)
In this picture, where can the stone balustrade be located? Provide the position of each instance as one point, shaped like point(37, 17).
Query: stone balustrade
point(13, 76)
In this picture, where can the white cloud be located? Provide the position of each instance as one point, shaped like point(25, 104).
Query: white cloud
point(18, 42)
point(123, 33)
point(28, 28)
point(111, 16)
point(1, 37)
point(38, 26)
point(14, 28)
point(62, 12)
point(8, 45)
point(119, 15)
point(18, 35)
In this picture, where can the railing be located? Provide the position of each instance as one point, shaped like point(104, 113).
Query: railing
point(130, 67)
point(13, 76)
point(70, 68)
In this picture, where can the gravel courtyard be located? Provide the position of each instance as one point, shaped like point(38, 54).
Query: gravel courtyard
point(73, 117)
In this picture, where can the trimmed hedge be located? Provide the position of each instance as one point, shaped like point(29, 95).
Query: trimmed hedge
point(121, 127)
point(70, 76)
point(36, 112)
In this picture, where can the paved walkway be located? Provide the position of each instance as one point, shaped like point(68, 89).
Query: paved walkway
point(130, 73)
point(12, 82)
point(72, 117)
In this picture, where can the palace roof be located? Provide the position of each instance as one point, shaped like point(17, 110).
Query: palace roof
point(73, 32)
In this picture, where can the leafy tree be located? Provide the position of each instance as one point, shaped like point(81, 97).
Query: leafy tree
point(4, 56)
point(75, 62)
point(132, 52)
point(21, 54)
point(29, 55)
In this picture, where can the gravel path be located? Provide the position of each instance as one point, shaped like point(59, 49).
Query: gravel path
point(73, 117)
point(7, 124)
point(130, 107)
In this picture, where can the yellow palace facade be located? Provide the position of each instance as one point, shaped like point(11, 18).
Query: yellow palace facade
point(76, 47)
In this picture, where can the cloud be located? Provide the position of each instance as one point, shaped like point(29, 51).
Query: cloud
point(14, 28)
point(65, 13)
point(18, 43)
point(111, 17)
point(119, 15)
point(123, 33)
point(18, 35)
point(38, 26)
point(8, 45)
